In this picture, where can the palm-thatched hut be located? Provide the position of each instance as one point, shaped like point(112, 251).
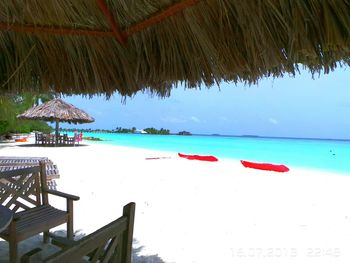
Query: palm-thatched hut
point(103, 46)
point(57, 110)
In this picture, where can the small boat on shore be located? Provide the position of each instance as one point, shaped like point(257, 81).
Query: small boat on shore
point(207, 158)
point(21, 140)
point(266, 166)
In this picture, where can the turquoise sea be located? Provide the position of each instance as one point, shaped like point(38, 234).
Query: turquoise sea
point(328, 155)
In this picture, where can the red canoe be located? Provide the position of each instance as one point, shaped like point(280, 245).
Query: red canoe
point(266, 166)
point(199, 157)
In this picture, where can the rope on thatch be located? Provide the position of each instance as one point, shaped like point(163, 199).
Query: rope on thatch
point(160, 16)
point(116, 32)
point(37, 29)
point(114, 25)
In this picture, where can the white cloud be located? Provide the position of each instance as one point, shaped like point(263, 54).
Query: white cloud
point(273, 121)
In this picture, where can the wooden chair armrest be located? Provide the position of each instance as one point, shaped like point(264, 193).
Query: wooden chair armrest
point(61, 194)
point(26, 257)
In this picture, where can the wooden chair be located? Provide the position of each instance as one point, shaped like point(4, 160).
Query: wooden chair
point(25, 192)
point(111, 243)
point(39, 139)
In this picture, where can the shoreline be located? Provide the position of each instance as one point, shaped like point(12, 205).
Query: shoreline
point(330, 157)
point(198, 212)
point(332, 160)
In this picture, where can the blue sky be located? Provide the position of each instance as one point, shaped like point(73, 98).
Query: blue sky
point(285, 107)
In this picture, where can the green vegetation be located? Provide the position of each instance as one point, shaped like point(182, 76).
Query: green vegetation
point(121, 130)
point(125, 130)
point(155, 131)
point(11, 106)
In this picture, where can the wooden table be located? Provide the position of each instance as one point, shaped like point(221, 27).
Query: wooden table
point(5, 217)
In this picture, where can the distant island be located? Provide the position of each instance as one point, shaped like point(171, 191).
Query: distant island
point(184, 133)
point(132, 130)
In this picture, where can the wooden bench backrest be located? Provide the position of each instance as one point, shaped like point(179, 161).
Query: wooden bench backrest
point(20, 189)
point(15, 160)
point(111, 243)
point(13, 163)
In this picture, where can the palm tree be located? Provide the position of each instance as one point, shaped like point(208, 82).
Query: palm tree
point(11, 106)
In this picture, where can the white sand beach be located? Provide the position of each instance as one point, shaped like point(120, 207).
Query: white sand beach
point(203, 212)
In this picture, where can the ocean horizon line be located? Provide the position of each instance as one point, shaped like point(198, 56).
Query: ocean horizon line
point(272, 137)
point(228, 135)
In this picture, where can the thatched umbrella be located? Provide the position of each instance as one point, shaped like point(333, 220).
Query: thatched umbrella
point(98, 47)
point(57, 110)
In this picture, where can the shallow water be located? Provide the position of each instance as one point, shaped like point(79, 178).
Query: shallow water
point(328, 155)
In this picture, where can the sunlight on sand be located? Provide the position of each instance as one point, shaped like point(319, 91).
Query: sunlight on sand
point(190, 211)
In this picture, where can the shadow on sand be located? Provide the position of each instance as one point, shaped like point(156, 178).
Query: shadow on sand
point(49, 249)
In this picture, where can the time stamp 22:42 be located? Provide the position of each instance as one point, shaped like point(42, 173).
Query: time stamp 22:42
point(285, 252)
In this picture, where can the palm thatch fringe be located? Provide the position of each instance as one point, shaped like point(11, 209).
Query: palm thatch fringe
point(207, 42)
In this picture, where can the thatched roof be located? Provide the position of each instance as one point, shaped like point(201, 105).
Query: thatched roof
point(102, 46)
point(57, 110)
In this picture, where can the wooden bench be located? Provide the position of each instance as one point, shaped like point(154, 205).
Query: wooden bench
point(25, 192)
point(111, 243)
point(14, 162)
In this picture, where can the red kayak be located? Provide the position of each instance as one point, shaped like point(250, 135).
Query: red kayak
point(199, 157)
point(266, 166)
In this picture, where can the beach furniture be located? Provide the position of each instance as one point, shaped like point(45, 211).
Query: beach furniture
point(50, 139)
point(111, 243)
point(39, 138)
point(25, 192)
point(58, 111)
point(70, 140)
point(78, 138)
point(15, 162)
point(46, 139)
